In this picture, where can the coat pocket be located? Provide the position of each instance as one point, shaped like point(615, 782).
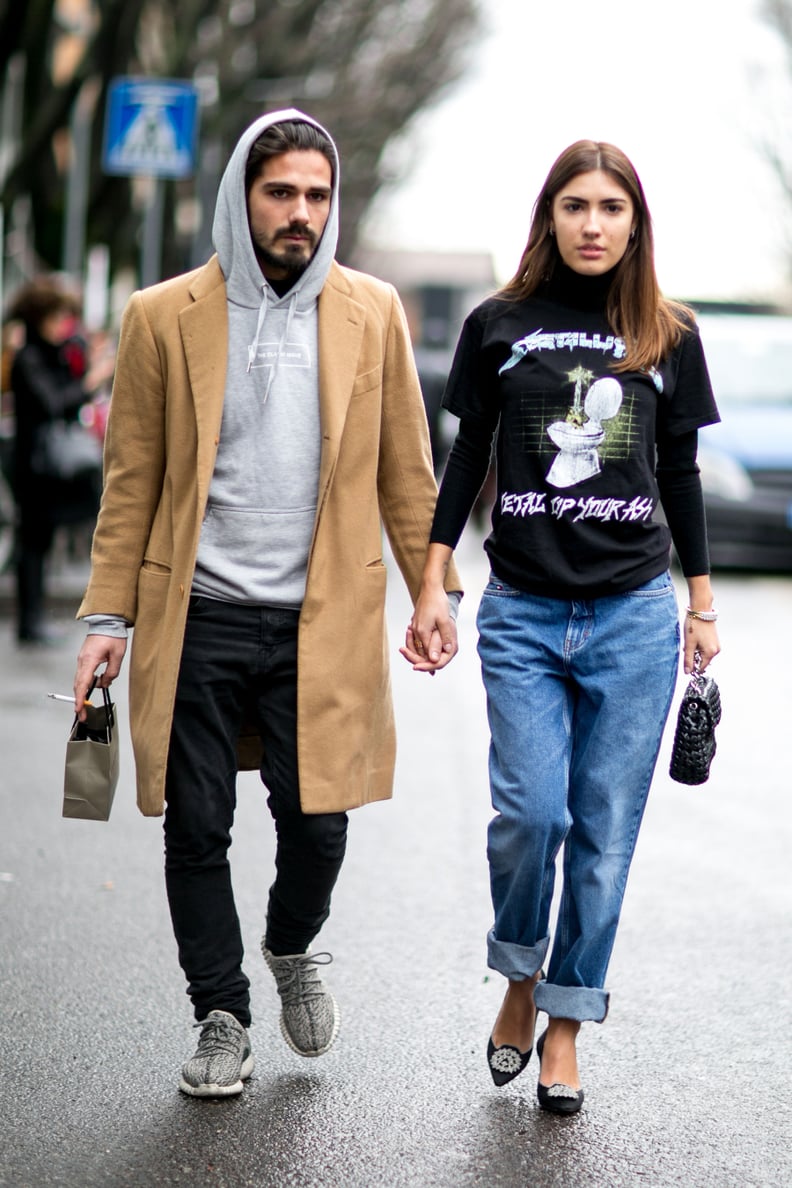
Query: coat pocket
point(367, 382)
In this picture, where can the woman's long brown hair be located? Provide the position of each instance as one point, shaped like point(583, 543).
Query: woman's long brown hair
point(649, 323)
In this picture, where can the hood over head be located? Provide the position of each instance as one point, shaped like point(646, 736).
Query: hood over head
point(261, 511)
point(246, 285)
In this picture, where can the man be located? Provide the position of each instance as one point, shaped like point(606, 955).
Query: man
point(266, 421)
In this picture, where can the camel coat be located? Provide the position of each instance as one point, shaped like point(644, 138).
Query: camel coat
point(375, 470)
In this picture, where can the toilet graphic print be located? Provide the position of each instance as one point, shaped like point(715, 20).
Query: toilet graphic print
point(579, 436)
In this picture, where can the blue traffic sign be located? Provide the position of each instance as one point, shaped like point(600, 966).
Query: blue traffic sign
point(151, 127)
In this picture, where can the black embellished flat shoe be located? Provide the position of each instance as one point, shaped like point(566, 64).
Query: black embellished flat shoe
point(557, 1098)
point(506, 1062)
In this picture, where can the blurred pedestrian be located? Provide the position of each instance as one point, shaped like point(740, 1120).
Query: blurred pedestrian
point(594, 387)
point(266, 420)
point(53, 378)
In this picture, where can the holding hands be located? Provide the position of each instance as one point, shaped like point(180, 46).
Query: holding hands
point(431, 638)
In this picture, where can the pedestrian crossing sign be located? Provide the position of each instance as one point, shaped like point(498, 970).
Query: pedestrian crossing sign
point(151, 127)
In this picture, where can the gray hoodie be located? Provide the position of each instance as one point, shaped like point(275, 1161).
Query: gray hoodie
point(259, 518)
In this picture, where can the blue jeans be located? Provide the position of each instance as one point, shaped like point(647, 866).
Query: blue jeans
point(578, 694)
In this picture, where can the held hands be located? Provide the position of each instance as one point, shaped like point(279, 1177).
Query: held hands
point(96, 650)
point(431, 638)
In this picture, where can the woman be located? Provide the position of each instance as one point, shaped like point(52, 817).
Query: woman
point(51, 380)
point(596, 386)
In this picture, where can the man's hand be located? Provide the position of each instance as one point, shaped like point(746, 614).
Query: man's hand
point(97, 649)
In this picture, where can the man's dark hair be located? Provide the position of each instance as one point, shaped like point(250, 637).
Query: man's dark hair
point(289, 136)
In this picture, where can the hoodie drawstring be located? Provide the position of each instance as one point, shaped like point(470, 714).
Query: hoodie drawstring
point(262, 313)
point(284, 338)
point(289, 316)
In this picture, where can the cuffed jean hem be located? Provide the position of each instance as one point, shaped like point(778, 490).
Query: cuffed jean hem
point(572, 1002)
point(515, 962)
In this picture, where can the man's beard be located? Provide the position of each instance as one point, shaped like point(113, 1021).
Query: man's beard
point(291, 261)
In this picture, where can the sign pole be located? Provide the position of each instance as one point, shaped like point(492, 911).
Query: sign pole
point(151, 248)
point(77, 184)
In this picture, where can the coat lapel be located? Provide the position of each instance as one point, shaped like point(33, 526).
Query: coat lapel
point(341, 325)
point(204, 331)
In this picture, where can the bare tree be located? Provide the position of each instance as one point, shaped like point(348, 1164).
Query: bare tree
point(775, 143)
point(365, 68)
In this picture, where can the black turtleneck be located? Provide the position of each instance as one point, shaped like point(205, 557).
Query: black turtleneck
point(584, 453)
point(575, 291)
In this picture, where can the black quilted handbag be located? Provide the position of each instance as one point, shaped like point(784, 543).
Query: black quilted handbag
point(694, 738)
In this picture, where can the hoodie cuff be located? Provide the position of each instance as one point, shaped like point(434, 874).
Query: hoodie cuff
point(115, 625)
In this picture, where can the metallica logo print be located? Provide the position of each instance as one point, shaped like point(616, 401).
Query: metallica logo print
point(584, 420)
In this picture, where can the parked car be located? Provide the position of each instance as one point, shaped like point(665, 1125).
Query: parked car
point(746, 460)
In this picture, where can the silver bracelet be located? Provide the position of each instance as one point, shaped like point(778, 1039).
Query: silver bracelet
point(710, 616)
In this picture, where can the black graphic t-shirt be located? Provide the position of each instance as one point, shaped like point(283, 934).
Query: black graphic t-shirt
point(577, 444)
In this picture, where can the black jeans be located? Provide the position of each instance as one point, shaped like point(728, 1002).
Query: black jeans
point(239, 662)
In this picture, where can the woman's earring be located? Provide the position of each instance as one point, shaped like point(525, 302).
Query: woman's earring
point(552, 230)
point(632, 234)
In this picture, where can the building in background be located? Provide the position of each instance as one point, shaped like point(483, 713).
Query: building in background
point(438, 290)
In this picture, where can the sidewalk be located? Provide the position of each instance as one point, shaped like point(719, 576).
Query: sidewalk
point(683, 1086)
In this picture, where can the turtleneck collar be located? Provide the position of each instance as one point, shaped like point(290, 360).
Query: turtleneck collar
point(570, 288)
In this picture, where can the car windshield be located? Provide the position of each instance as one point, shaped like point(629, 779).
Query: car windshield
point(749, 359)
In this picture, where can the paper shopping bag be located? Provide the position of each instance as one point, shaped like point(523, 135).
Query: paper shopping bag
point(92, 764)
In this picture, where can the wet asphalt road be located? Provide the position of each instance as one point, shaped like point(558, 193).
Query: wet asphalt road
point(688, 1082)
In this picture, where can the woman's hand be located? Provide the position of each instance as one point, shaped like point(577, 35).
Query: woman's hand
point(700, 636)
point(431, 639)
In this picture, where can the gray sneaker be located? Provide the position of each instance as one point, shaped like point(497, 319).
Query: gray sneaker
point(310, 1017)
point(222, 1060)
